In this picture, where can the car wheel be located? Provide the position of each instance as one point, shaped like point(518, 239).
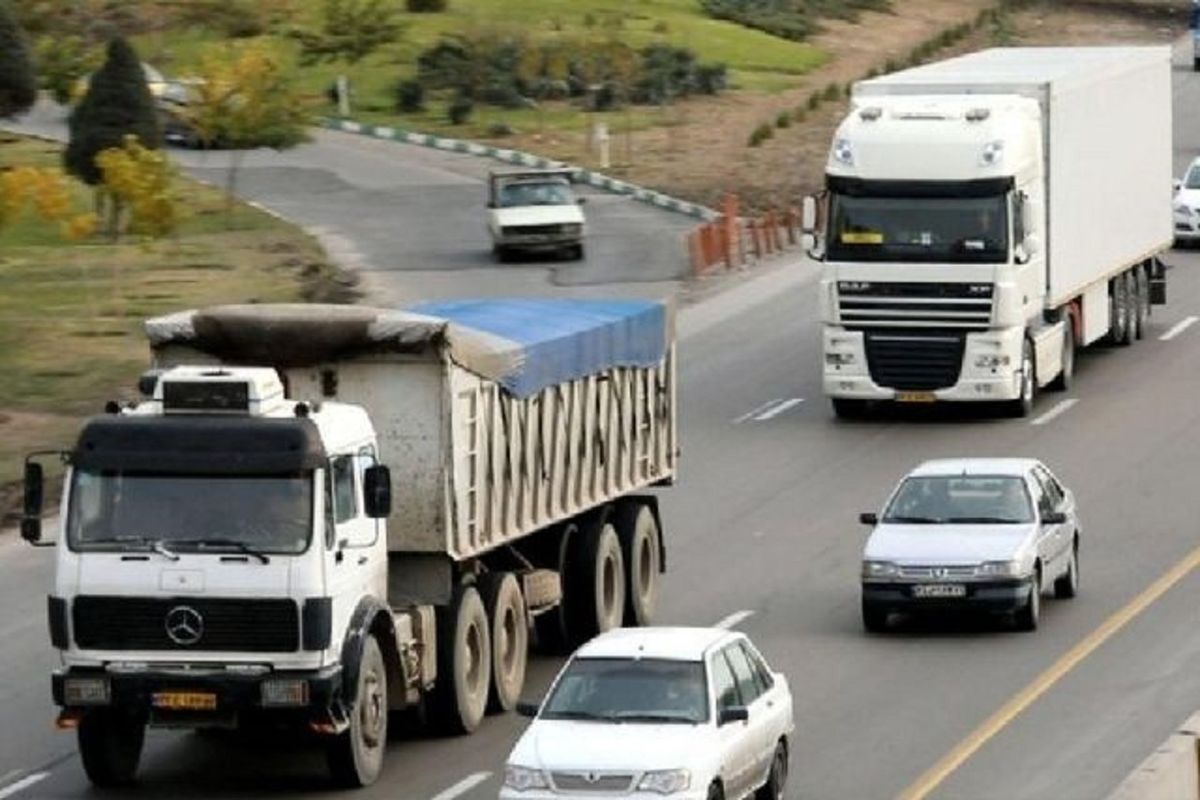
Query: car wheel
point(874, 617)
point(1027, 616)
point(715, 792)
point(1067, 585)
point(777, 779)
point(500, 253)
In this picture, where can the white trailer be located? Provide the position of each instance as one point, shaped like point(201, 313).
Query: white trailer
point(462, 479)
point(988, 214)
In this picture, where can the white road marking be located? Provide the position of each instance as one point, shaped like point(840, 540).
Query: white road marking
point(1178, 328)
point(757, 410)
point(24, 783)
point(457, 790)
point(1061, 408)
point(779, 409)
point(734, 619)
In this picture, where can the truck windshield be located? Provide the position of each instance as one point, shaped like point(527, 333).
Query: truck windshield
point(535, 194)
point(120, 510)
point(925, 229)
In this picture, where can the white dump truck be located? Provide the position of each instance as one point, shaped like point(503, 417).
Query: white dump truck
point(985, 216)
point(320, 514)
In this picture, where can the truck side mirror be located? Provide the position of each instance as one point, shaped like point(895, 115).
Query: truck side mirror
point(31, 521)
point(808, 215)
point(377, 491)
point(1032, 245)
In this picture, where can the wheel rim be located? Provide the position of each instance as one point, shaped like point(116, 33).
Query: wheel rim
point(370, 709)
point(1035, 598)
point(644, 573)
point(608, 588)
point(506, 641)
point(473, 674)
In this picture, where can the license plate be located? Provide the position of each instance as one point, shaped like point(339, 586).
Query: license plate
point(185, 701)
point(915, 397)
point(940, 590)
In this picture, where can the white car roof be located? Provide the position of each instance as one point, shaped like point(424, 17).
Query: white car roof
point(975, 466)
point(674, 644)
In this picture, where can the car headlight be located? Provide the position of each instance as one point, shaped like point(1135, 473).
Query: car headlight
point(524, 778)
point(574, 229)
point(665, 781)
point(879, 569)
point(992, 361)
point(999, 569)
point(1180, 208)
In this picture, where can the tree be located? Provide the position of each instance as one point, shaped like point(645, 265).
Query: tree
point(117, 104)
point(140, 180)
point(246, 99)
point(62, 61)
point(48, 193)
point(350, 31)
point(18, 83)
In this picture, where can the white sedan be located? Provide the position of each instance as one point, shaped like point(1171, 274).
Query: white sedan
point(981, 534)
point(686, 713)
point(1186, 206)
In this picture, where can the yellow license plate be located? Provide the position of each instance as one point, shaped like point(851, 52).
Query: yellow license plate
point(185, 701)
point(915, 397)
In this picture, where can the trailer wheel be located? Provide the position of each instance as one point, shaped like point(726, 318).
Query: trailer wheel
point(641, 548)
point(464, 662)
point(110, 746)
point(1118, 302)
point(505, 607)
point(1066, 375)
point(355, 756)
point(596, 594)
point(1141, 283)
point(1132, 305)
point(552, 628)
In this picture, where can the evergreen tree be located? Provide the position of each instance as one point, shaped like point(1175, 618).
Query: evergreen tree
point(118, 103)
point(18, 83)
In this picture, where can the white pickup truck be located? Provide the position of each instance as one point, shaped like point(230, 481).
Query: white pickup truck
point(534, 211)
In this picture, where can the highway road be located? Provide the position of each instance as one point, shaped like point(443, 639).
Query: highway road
point(762, 530)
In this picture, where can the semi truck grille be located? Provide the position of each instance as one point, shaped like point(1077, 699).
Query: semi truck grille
point(592, 782)
point(965, 306)
point(914, 360)
point(186, 623)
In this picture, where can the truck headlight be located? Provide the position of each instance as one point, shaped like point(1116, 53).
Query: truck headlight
point(523, 778)
point(993, 153)
point(839, 359)
point(86, 692)
point(665, 781)
point(992, 361)
point(285, 692)
point(879, 569)
point(999, 569)
point(843, 152)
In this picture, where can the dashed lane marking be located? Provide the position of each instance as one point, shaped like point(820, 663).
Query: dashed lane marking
point(1060, 408)
point(24, 783)
point(734, 619)
point(1178, 328)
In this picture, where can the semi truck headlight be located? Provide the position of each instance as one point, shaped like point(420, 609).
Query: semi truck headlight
point(993, 153)
point(285, 692)
point(843, 152)
point(992, 361)
point(86, 692)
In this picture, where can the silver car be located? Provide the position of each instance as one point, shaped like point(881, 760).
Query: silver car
point(983, 534)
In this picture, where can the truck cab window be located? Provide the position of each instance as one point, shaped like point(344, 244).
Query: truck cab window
point(345, 498)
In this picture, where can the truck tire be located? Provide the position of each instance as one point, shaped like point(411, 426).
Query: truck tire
point(1141, 283)
point(552, 628)
point(1023, 405)
point(596, 591)
point(505, 607)
point(1118, 303)
point(1131, 308)
point(844, 408)
point(355, 756)
point(641, 547)
point(1066, 375)
point(110, 746)
point(464, 651)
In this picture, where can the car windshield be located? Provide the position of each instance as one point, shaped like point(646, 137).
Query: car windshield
point(1193, 178)
point(924, 229)
point(981, 499)
point(626, 690)
point(529, 193)
point(121, 510)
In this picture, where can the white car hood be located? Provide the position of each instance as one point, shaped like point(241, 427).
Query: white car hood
point(570, 745)
point(538, 215)
point(1188, 197)
point(946, 544)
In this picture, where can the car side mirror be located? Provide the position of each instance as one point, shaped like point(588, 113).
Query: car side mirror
point(527, 709)
point(31, 521)
point(1054, 518)
point(491, 204)
point(733, 714)
point(1177, 184)
point(377, 491)
point(581, 201)
point(868, 518)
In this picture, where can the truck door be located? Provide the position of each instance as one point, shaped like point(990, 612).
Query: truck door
point(353, 540)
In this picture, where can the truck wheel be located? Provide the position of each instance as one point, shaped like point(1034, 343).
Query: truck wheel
point(355, 756)
point(464, 662)
point(505, 607)
point(552, 627)
point(1132, 304)
point(1023, 405)
point(1141, 285)
point(1118, 304)
point(844, 408)
point(1067, 375)
point(110, 746)
point(596, 593)
point(641, 548)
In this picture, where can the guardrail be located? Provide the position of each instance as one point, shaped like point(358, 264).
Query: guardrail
point(734, 242)
point(1172, 772)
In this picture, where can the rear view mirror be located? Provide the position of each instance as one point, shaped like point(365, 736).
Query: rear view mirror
point(1054, 518)
point(734, 714)
point(868, 518)
point(377, 491)
point(31, 522)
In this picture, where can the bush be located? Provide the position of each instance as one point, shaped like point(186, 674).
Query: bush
point(832, 92)
point(787, 19)
point(760, 135)
point(814, 101)
point(425, 6)
point(410, 97)
point(783, 120)
point(498, 130)
point(460, 109)
point(711, 78)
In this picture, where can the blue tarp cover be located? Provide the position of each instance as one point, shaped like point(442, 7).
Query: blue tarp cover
point(554, 340)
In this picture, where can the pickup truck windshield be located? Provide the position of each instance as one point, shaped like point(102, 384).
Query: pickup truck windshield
point(210, 513)
point(631, 691)
point(965, 499)
point(548, 193)
point(924, 229)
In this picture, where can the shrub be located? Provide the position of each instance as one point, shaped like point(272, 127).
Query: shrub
point(787, 19)
point(814, 101)
point(760, 134)
point(832, 92)
point(711, 78)
point(783, 120)
point(460, 109)
point(425, 6)
point(498, 130)
point(410, 97)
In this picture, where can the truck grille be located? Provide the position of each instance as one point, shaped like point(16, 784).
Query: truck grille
point(591, 782)
point(226, 624)
point(919, 360)
point(966, 306)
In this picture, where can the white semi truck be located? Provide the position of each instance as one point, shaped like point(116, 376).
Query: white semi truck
point(985, 216)
point(320, 514)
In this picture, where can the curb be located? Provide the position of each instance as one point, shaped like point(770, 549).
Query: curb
point(595, 179)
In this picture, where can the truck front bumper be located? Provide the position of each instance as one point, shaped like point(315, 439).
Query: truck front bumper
point(989, 372)
point(202, 696)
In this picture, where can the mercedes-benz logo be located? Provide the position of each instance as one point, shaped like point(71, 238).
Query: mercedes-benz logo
point(184, 625)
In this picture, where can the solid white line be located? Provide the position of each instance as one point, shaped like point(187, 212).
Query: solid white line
point(1062, 407)
point(1178, 328)
point(24, 783)
point(779, 409)
point(734, 619)
point(757, 410)
point(457, 790)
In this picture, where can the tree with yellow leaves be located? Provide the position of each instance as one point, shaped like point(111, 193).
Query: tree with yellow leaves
point(138, 180)
point(49, 194)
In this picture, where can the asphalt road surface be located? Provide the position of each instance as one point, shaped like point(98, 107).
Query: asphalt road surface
point(764, 521)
